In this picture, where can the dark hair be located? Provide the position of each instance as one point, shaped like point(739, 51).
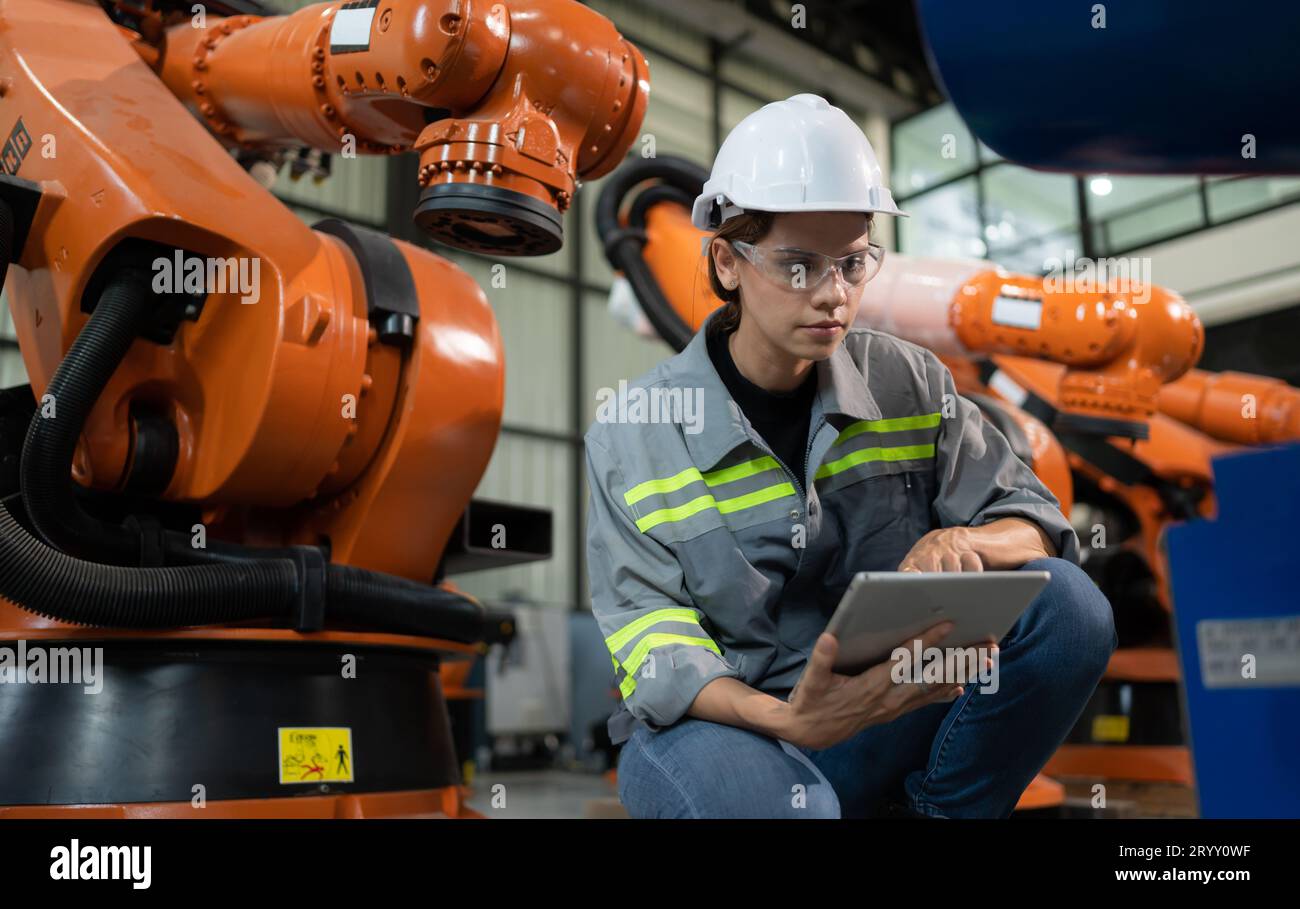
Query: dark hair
point(748, 227)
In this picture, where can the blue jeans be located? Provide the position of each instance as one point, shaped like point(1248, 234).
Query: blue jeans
point(971, 757)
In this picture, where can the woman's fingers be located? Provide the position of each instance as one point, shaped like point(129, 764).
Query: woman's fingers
point(934, 634)
point(895, 696)
point(941, 551)
point(948, 694)
point(817, 675)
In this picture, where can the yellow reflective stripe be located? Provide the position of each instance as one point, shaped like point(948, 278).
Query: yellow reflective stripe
point(740, 471)
point(619, 639)
point(669, 484)
point(690, 475)
point(651, 641)
point(758, 497)
point(852, 459)
point(627, 686)
point(893, 424)
point(726, 506)
point(680, 513)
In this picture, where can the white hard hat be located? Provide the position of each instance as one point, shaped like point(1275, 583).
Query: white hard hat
point(800, 154)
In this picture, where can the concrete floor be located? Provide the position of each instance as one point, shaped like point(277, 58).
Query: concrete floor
point(564, 794)
point(545, 794)
point(1132, 799)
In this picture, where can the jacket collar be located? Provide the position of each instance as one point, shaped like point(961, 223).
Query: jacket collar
point(841, 390)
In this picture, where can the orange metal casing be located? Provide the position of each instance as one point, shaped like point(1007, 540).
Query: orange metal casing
point(234, 375)
point(512, 117)
point(1119, 348)
point(1149, 763)
point(257, 391)
point(1235, 406)
point(674, 252)
point(1173, 451)
point(448, 802)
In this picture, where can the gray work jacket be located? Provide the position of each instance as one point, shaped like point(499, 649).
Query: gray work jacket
point(709, 558)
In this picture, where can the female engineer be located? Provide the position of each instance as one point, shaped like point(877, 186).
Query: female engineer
point(718, 551)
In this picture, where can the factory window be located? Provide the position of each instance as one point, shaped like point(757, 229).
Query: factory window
point(944, 222)
point(1234, 197)
point(1127, 212)
point(968, 201)
point(930, 148)
point(1028, 216)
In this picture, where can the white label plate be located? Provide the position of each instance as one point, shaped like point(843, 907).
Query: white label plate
point(351, 27)
point(1274, 643)
point(1018, 313)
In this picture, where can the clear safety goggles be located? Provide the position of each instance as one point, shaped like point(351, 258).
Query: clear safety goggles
point(800, 269)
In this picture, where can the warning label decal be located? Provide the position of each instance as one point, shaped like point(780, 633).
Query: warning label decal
point(316, 755)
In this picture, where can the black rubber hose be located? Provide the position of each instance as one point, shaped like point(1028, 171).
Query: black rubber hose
point(47, 485)
point(396, 604)
point(623, 246)
point(42, 580)
point(648, 198)
point(49, 492)
point(53, 584)
point(51, 580)
point(232, 583)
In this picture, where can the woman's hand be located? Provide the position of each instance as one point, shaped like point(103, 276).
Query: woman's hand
point(946, 549)
point(827, 708)
point(1004, 543)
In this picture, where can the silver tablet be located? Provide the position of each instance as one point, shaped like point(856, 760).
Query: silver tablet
point(882, 609)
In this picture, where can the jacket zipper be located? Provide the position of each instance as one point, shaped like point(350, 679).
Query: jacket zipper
point(798, 483)
point(807, 453)
point(791, 474)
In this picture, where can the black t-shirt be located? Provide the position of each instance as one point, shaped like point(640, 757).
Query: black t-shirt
point(780, 418)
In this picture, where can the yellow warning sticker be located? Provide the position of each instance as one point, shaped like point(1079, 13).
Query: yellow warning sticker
point(1109, 728)
point(315, 755)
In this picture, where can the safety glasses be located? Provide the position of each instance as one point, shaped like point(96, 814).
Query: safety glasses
point(799, 269)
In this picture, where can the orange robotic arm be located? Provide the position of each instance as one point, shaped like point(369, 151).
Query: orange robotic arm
point(330, 392)
point(504, 115)
point(1126, 354)
point(1235, 406)
point(252, 437)
point(1119, 342)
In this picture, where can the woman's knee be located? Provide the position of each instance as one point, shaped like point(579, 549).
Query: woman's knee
point(701, 769)
point(1076, 612)
point(648, 790)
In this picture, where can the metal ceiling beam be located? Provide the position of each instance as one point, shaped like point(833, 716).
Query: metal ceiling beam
point(732, 26)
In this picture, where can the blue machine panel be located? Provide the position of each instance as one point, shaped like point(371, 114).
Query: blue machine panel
point(1235, 581)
